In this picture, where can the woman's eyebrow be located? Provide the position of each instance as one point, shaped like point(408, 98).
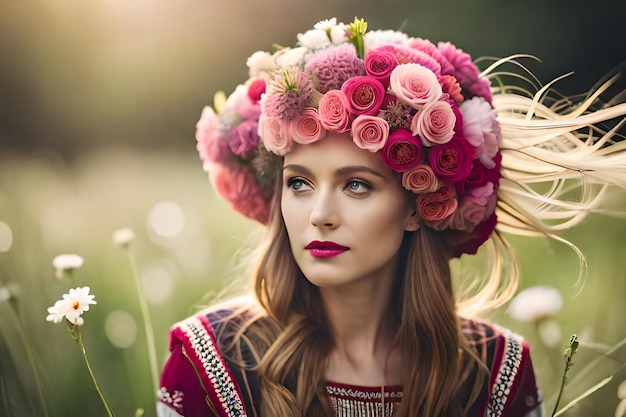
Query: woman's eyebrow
point(297, 168)
point(358, 168)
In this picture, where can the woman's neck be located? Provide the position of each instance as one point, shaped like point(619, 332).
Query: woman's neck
point(363, 328)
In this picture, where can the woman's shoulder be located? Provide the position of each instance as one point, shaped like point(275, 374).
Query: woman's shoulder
point(512, 384)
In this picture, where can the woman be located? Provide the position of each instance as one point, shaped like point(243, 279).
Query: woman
point(378, 159)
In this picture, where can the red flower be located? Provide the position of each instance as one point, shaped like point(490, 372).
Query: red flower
point(402, 151)
point(452, 161)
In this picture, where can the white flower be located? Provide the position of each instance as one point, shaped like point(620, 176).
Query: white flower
point(66, 263)
point(290, 57)
point(314, 39)
point(260, 63)
point(326, 24)
point(123, 237)
point(535, 303)
point(5, 294)
point(71, 306)
point(376, 38)
point(338, 34)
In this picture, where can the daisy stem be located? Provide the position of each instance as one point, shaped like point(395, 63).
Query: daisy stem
point(147, 323)
point(569, 354)
point(31, 362)
point(79, 340)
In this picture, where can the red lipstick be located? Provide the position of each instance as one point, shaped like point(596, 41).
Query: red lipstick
point(325, 249)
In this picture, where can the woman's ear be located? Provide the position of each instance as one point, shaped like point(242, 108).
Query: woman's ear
point(412, 223)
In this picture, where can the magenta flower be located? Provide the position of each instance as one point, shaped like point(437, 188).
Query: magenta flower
point(333, 66)
point(420, 179)
point(434, 123)
point(333, 112)
point(430, 48)
point(402, 151)
point(307, 128)
point(379, 65)
point(452, 161)
point(256, 89)
point(369, 132)
point(365, 95)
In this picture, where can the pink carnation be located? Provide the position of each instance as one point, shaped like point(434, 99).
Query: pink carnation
point(288, 95)
point(420, 179)
point(333, 66)
point(437, 207)
point(307, 128)
point(333, 112)
point(452, 161)
point(481, 195)
point(365, 95)
point(430, 48)
point(451, 87)
point(481, 129)
point(466, 71)
point(379, 65)
point(369, 132)
point(402, 151)
point(406, 55)
point(275, 134)
point(414, 85)
point(238, 186)
point(244, 138)
point(212, 145)
point(434, 123)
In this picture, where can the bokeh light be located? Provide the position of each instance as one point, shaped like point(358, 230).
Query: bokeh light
point(6, 237)
point(121, 329)
point(157, 279)
point(166, 219)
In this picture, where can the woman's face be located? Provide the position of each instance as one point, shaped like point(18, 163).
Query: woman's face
point(345, 212)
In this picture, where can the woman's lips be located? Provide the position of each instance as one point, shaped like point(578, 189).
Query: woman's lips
point(325, 249)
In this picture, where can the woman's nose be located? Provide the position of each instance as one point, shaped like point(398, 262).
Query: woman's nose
point(324, 212)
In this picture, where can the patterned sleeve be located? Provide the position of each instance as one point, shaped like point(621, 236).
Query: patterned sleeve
point(196, 380)
point(514, 391)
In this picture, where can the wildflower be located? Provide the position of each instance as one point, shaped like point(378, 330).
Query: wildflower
point(123, 237)
point(66, 263)
point(71, 306)
point(535, 303)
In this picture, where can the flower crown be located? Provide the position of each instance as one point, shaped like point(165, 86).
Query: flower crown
point(423, 107)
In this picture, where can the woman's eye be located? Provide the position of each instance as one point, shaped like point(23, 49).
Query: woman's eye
point(358, 186)
point(296, 183)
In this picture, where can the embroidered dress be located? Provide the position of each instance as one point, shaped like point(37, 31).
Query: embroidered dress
point(197, 381)
point(355, 401)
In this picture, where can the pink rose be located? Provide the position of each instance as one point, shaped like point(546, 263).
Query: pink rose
point(379, 65)
point(333, 112)
point(244, 138)
point(238, 186)
point(369, 132)
point(437, 207)
point(414, 85)
point(468, 216)
point(211, 143)
point(275, 134)
point(481, 129)
point(452, 161)
point(434, 123)
point(365, 95)
point(402, 151)
point(307, 128)
point(420, 179)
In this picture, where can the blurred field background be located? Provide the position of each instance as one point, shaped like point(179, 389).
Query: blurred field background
point(98, 104)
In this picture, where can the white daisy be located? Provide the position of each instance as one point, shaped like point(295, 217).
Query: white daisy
point(71, 306)
point(123, 237)
point(66, 263)
point(535, 303)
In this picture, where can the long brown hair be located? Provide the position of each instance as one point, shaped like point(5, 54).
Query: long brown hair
point(290, 337)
